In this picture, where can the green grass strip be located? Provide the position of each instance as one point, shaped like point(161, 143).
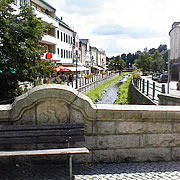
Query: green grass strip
point(124, 96)
point(98, 93)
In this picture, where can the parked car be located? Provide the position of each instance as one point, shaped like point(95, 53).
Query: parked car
point(156, 76)
point(163, 78)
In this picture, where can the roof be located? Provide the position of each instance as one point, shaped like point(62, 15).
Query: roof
point(85, 41)
point(47, 4)
point(174, 25)
point(63, 23)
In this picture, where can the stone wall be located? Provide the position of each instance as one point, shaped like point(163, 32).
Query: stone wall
point(114, 133)
point(165, 99)
point(139, 98)
point(89, 87)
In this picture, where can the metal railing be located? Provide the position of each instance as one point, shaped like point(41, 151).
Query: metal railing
point(149, 89)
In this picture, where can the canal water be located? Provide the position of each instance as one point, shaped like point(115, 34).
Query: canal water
point(112, 93)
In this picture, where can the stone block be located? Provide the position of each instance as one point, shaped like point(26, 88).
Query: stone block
point(175, 154)
point(117, 141)
point(160, 140)
point(88, 127)
point(130, 127)
point(4, 110)
point(176, 127)
point(105, 127)
point(143, 155)
point(103, 156)
point(27, 118)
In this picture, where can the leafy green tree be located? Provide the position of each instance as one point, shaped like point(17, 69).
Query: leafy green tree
point(158, 63)
point(19, 48)
point(144, 61)
point(117, 63)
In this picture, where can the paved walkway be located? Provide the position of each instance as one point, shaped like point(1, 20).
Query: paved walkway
point(121, 171)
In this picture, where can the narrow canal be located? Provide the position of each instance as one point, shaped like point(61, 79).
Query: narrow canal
point(112, 93)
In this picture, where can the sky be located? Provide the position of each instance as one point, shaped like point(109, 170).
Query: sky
point(120, 26)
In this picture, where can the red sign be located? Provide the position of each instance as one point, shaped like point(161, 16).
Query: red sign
point(48, 56)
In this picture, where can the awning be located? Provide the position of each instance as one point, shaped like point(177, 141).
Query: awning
point(97, 67)
point(60, 68)
point(79, 68)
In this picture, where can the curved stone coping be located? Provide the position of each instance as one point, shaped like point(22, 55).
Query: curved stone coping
point(138, 112)
point(44, 93)
point(84, 104)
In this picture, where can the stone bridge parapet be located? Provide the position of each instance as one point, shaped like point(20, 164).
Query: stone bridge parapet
point(114, 133)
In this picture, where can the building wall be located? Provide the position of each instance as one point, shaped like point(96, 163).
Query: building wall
point(114, 133)
point(175, 43)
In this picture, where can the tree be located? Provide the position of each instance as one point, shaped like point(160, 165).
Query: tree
point(144, 61)
point(117, 63)
point(19, 49)
point(158, 62)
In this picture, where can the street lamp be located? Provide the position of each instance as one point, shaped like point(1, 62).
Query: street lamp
point(76, 69)
point(168, 71)
point(92, 61)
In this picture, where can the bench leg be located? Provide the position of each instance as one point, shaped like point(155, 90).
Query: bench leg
point(70, 168)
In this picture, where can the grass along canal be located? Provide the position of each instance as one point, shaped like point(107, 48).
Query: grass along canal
point(110, 91)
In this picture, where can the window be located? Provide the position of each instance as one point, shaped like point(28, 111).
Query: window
point(58, 34)
point(58, 51)
point(22, 2)
point(64, 37)
point(64, 54)
point(61, 53)
point(71, 40)
point(71, 54)
point(15, 2)
point(61, 36)
point(45, 48)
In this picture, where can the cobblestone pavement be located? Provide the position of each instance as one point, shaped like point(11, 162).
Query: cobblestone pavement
point(121, 171)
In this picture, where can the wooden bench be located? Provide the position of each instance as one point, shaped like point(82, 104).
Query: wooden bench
point(42, 134)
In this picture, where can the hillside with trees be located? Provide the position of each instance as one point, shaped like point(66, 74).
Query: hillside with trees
point(154, 60)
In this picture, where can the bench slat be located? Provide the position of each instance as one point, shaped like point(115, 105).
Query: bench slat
point(41, 139)
point(36, 127)
point(67, 151)
point(31, 133)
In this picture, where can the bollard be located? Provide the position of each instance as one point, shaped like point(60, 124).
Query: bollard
point(154, 90)
point(143, 86)
point(163, 89)
point(147, 93)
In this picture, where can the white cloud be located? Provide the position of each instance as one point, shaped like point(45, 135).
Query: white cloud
point(136, 23)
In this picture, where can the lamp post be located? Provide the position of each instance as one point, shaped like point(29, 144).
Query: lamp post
point(168, 71)
point(92, 61)
point(76, 69)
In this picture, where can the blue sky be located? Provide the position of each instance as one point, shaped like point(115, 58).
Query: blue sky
point(120, 26)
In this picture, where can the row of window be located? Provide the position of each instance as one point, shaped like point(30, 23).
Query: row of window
point(64, 37)
point(65, 53)
point(22, 2)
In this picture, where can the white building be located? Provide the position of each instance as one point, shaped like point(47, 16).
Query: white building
point(175, 41)
point(59, 39)
point(175, 51)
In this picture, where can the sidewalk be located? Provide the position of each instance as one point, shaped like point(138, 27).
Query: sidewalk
point(173, 89)
point(120, 171)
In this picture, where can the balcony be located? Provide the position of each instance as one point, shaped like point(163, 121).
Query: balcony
point(46, 18)
point(48, 39)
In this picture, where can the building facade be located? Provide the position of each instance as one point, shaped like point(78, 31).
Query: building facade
point(59, 40)
point(175, 51)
